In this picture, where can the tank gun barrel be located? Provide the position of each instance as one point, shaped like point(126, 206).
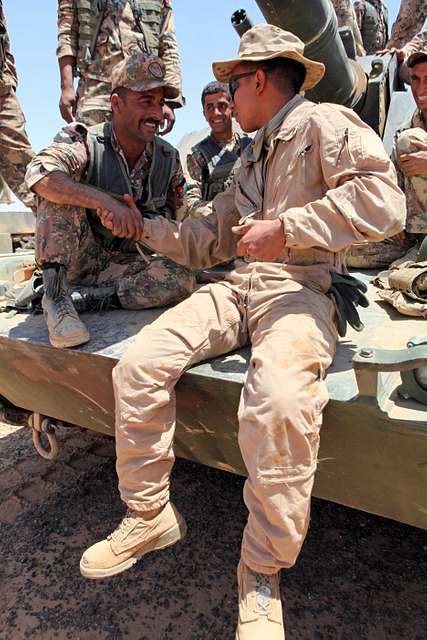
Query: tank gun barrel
point(344, 81)
point(241, 22)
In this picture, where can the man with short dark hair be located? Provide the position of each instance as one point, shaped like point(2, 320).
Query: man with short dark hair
point(213, 161)
point(87, 169)
point(315, 179)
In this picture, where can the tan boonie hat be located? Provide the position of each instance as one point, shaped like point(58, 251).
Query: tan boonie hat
point(142, 72)
point(414, 57)
point(264, 42)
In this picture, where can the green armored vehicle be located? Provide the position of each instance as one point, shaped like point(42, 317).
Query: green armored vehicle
point(374, 438)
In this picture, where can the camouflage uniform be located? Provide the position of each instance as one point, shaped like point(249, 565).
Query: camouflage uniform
point(410, 20)
point(15, 148)
point(382, 254)
point(118, 37)
point(381, 34)
point(197, 207)
point(418, 43)
point(415, 187)
point(347, 18)
point(64, 234)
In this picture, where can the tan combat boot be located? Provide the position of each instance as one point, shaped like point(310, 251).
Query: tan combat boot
point(63, 322)
point(133, 538)
point(260, 608)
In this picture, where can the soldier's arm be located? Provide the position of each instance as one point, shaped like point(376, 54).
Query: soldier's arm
point(363, 201)
point(418, 43)
point(54, 175)
point(169, 53)
point(67, 54)
point(408, 23)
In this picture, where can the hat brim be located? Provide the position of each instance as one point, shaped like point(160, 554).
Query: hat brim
point(171, 92)
point(314, 70)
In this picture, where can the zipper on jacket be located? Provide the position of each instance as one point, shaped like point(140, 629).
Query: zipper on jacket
point(344, 144)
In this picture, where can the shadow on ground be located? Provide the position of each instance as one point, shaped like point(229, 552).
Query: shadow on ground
point(358, 576)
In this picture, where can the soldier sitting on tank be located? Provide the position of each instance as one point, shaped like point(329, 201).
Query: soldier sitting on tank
point(86, 169)
point(410, 159)
point(213, 161)
point(410, 151)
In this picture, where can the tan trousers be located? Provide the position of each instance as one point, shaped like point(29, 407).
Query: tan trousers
point(292, 331)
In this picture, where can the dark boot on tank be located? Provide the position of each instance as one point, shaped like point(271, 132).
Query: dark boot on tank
point(97, 298)
point(63, 322)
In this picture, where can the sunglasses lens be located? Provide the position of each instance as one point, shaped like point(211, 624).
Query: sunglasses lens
point(232, 88)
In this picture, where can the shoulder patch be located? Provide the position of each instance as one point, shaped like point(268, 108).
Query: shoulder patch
point(71, 133)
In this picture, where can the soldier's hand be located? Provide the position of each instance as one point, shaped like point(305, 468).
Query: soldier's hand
point(415, 164)
point(400, 54)
point(67, 104)
point(123, 220)
point(168, 120)
point(261, 239)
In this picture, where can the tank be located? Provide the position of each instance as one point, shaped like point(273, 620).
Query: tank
point(374, 437)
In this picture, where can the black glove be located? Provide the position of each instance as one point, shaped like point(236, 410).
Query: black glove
point(348, 293)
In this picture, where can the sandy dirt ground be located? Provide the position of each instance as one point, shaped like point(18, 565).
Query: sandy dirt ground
point(358, 577)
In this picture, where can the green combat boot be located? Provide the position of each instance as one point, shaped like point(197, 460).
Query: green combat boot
point(260, 608)
point(63, 322)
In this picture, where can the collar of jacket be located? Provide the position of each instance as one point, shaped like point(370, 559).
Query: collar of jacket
point(268, 132)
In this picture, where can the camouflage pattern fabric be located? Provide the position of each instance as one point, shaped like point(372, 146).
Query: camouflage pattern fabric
point(415, 187)
point(418, 43)
point(69, 153)
point(409, 22)
point(15, 148)
point(196, 164)
point(382, 31)
point(378, 255)
point(64, 236)
point(118, 38)
point(347, 18)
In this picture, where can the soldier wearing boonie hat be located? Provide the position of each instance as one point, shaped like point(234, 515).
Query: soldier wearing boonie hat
point(123, 156)
point(307, 188)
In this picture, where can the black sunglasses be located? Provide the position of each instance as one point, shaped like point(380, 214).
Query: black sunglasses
point(233, 82)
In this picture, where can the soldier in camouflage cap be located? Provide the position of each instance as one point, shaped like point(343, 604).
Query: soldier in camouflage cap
point(85, 170)
point(95, 35)
point(15, 148)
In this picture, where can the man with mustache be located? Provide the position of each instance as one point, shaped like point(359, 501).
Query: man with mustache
point(314, 180)
point(86, 169)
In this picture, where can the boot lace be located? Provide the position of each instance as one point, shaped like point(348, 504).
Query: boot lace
point(64, 307)
point(123, 526)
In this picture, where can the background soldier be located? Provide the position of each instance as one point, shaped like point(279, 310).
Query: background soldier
point(15, 148)
point(212, 161)
point(94, 35)
point(347, 18)
point(307, 188)
point(81, 172)
point(372, 20)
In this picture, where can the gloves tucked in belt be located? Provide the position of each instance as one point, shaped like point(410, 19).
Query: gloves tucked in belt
point(347, 293)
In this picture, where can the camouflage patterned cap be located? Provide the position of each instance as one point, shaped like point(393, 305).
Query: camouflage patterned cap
point(415, 57)
point(264, 42)
point(142, 72)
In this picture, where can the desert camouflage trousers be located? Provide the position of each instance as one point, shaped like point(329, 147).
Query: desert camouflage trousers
point(15, 148)
point(93, 101)
point(292, 331)
point(64, 236)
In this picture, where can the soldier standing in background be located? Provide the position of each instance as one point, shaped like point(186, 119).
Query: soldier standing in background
point(94, 35)
point(85, 169)
point(347, 18)
point(372, 20)
point(212, 161)
point(15, 148)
